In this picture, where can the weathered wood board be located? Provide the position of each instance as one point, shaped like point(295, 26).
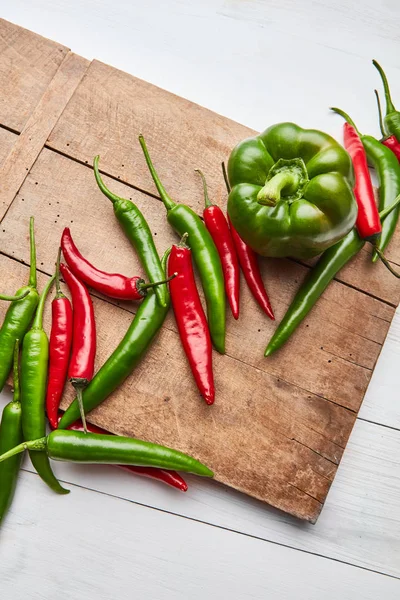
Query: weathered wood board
point(279, 426)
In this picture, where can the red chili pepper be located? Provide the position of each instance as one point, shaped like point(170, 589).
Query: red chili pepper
point(59, 349)
point(368, 222)
point(218, 227)
point(113, 285)
point(171, 478)
point(81, 367)
point(190, 318)
point(251, 271)
point(249, 264)
point(390, 141)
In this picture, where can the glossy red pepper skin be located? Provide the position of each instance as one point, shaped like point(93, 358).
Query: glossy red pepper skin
point(217, 225)
point(81, 365)
point(171, 478)
point(59, 353)
point(251, 271)
point(191, 320)
point(392, 143)
point(112, 285)
point(368, 222)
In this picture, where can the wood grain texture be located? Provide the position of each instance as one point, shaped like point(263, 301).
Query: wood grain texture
point(7, 141)
point(354, 324)
point(28, 63)
point(38, 127)
point(119, 106)
point(295, 417)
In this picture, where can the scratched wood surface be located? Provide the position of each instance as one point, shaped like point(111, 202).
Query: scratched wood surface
point(279, 427)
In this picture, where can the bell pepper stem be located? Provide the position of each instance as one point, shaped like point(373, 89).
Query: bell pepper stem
point(381, 125)
point(39, 445)
point(389, 104)
point(32, 270)
point(207, 202)
point(166, 199)
point(14, 298)
point(106, 191)
point(146, 286)
point(270, 194)
point(225, 174)
point(38, 320)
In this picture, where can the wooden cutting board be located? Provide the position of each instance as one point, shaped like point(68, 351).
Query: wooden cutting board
point(279, 426)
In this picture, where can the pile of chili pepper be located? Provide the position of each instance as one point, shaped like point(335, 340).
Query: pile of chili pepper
point(291, 192)
point(40, 373)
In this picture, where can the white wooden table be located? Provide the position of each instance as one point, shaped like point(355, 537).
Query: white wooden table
point(117, 536)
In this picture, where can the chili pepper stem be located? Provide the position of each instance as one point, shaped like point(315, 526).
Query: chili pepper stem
point(385, 261)
point(107, 192)
point(38, 320)
point(346, 117)
point(225, 174)
point(146, 286)
point(79, 385)
point(182, 241)
point(32, 270)
point(381, 125)
point(384, 213)
point(207, 201)
point(59, 293)
point(166, 199)
point(38, 445)
point(389, 104)
point(14, 298)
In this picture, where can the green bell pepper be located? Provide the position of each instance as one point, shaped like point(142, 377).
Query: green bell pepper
point(291, 191)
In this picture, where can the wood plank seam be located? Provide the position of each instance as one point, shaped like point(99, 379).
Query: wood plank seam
point(235, 358)
point(224, 528)
point(38, 128)
point(155, 197)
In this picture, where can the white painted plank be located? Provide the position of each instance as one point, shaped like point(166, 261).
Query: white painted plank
point(381, 403)
point(254, 65)
point(360, 523)
point(91, 546)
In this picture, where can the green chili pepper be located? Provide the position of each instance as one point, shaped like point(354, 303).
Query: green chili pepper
point(318, 279)
point(291, 191)
point(138, 233)
point(137, 340)
point(315, 283)
point(387, 168)
point(392, 117)
point(19, 315)
point(10, 436)
point(91, 448)
point(34, 362)
point(184, 220)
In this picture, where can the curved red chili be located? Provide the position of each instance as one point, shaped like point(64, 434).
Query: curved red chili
point(251, 271)
point(191, 320)
point(59, 349)
point(171, 478)
point(218, 227)
point(368, 222)
point(249, 264)
point(112, 285)
point(81, 366)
